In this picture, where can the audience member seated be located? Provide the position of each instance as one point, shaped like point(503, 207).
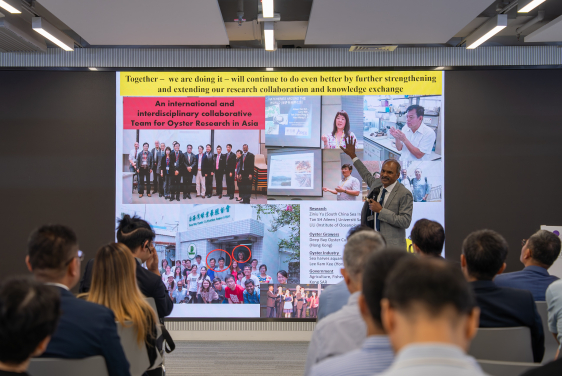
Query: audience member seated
point(138, 236)
point(483, 257)
point(334, 297)
point(428, 238)
point(549, 369)
point(538, 254)
point(344, 330)
point(29, 312)
point(430, 316)
point(114, 285)
point(85, 329)
point(376, 354)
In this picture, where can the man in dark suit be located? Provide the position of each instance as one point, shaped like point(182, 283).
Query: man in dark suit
point(160, 155)
point(538, 253)
point(219, 168)
point(483, 257)
point(191, 168)
point(246, 174)
point(208, 170)
point(144, 169)
point(85, 329)
point(156, 152)
point(389, 206)
point(271, 300)
point(230, 171)
point(178, 160)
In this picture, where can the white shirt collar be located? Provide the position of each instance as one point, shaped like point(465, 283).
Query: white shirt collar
point(390, 187)
point(58, 285)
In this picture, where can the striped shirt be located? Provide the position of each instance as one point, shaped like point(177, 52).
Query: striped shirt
point(374, 356)
point(433, 359)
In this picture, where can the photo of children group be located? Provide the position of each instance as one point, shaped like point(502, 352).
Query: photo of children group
point(290, 300)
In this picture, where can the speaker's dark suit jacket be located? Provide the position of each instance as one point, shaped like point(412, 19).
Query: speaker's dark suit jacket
point(504, 307)
point(149, 284)
point(86, 329)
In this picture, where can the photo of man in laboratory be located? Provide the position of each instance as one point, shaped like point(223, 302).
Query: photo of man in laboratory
point(417, 140)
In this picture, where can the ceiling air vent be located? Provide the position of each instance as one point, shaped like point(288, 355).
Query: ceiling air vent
point(16, 36)
point(371, 48)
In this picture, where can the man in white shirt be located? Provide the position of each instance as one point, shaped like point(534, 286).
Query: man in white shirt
point(349, 187)
point(133, 154)
point(430, 315)
point(417, 140)
point(248, 275)
point(405, 180)
point(345, 330)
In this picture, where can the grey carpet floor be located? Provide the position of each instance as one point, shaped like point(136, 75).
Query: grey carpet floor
point(214, 358)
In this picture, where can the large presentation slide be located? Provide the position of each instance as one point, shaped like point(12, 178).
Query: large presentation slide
point(243, 178)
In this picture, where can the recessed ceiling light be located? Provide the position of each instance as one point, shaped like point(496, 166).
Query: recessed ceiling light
point(269, 69)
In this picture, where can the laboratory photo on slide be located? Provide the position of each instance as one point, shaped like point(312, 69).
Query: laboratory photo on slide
point(193, 166)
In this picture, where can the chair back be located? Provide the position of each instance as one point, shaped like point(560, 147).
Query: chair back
point(136, 354)
point(496, 368)
point(152, 303)
point(550, 344)
point(92, 366)
point(503, 344)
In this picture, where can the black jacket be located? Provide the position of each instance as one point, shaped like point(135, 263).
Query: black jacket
point(222, 164)
point(230, 163)
point(190, 163)
point(247, 165)
point(149, 284)
point(503, 307)
point(86, 329)
point(207, 164)
point(162, 166)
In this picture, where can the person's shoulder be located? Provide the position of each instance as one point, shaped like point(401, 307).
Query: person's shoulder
point(90, 310)
point(555, 287)
point(337, 365)
point(552, 368)
point(518, 295)
point(500, 279)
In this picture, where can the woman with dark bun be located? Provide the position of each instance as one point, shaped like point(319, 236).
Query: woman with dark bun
point(340, 132)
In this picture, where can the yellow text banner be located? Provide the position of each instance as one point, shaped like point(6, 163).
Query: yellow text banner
point(253, 84)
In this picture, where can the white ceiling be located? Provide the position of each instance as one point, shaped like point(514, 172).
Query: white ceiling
point(551, 32)
point(142, 22)
point(390, 22)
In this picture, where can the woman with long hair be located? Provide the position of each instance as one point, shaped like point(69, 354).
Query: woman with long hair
point(313, 304)
point(234, 269)
point(166, 274)
point(202, 277)
point(177, 275)
point(167, 171)
point(208, 293)
point(340, 132)
point(163, 268)
point(114, 285)
point(288, 308)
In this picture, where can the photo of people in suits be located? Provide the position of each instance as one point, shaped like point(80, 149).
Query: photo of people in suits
point(199, 169)
point(290, 301)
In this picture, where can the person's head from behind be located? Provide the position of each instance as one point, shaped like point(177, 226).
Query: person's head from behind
point(230, 282)
point(541, 249)
point(358, 228)
point(377, 268)
point(358, 248)
point(428, 300)
point(428, 238)
point(114, 285)
point(29, 312)
point(137, 235)
point(483, 255)
point(249, 284)
point(53, 255)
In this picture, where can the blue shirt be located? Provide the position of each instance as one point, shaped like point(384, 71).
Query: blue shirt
point(332, 299)
point(211, 273)
point(433, 359)
point(533, 278)
point(179, 295)
point(420, 189)
point(374, 356)
point(253, 298)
